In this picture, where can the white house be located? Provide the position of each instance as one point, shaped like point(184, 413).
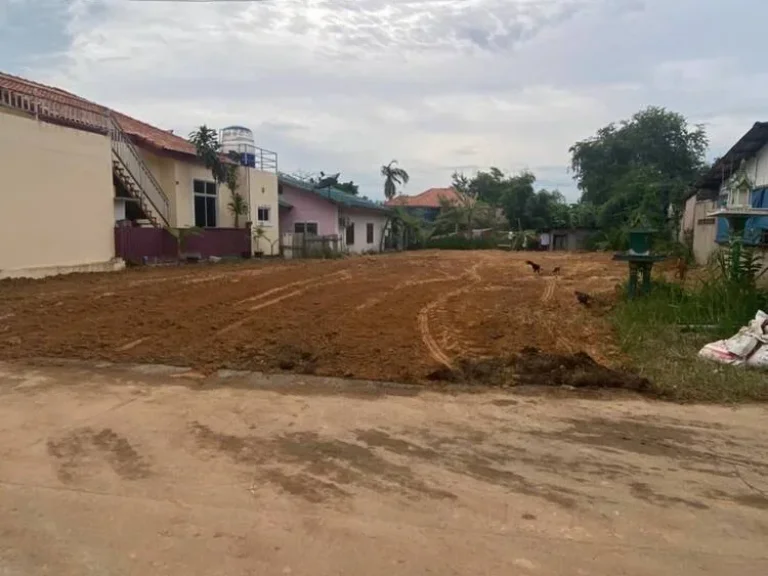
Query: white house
point(748, 158)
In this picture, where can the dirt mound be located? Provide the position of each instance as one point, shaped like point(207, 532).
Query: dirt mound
point(534, 367)
point(483, 371)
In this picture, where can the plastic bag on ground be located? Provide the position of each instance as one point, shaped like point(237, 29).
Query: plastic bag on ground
point(748, 347)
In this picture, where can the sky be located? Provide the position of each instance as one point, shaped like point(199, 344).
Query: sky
point(439, 85)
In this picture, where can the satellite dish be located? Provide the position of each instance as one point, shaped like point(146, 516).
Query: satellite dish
point(328, 181)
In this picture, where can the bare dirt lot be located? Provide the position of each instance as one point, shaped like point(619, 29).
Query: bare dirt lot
point(138, 471)
point(394, 317)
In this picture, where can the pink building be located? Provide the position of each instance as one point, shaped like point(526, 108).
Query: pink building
point(358, 224)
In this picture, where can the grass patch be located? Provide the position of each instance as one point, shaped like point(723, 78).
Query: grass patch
point(664, 331)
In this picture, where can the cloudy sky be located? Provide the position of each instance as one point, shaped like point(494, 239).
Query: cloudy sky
point(439, 85)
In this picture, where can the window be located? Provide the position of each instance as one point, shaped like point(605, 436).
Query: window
point(369, 233)
point(205, 203)
point(308, 228)
point(351, 234)
point(262, 214)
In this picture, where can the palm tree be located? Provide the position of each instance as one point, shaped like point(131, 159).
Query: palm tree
point(206, 142)
point(237, 206)
point(392, 177)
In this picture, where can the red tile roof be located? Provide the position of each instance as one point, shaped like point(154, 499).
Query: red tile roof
point(143, 133)
point(427, 199)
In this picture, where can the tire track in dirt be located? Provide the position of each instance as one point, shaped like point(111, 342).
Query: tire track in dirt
point(549, 291)
point(340, 276)
point(408, 284)
point(299, 283)
point(423, 317)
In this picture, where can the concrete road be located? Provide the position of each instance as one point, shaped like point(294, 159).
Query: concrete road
point(151, 471)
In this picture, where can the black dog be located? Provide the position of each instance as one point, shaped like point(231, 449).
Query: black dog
point(535, 267)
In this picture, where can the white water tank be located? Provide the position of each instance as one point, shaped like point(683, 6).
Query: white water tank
point(239, 139)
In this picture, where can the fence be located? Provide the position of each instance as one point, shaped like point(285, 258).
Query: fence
point(310, 246)
point(158, 244)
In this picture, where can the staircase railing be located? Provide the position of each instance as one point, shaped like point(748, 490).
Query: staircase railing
point(129, 157)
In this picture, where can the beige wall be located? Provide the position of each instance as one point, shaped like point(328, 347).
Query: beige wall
point(260, 189)
point(186, 172)
point(56, 192)
point(163, 168)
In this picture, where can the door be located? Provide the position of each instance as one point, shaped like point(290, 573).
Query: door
point(351, 234)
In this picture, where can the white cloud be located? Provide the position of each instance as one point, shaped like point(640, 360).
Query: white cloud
point(438, 84)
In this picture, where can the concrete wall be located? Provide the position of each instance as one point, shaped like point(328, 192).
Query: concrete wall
point(360, 219)
point(176, 175)
point(56, 196)
point(704, 230)
point(262, 191)
point(186, 172)
point(688, 221)
point(309, 207)
point(574, 239)
point(163, 168)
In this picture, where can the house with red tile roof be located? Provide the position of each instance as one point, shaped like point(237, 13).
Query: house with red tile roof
point(77, 174)
point(427, 204)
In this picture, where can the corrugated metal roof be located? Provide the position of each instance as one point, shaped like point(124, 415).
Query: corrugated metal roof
point(746, 147)
point(332, 194)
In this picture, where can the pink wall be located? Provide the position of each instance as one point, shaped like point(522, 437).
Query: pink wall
point(308, 207)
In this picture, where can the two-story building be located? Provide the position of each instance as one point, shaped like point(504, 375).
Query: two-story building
point(724, 185)
point(73, 169)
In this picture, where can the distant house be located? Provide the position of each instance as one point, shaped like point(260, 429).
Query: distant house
point(749, 157)
point(427, 204)
point(569, 239)
point(358, 224)
point(73, 170)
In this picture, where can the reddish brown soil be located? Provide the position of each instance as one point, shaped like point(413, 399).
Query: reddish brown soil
point(393, 317)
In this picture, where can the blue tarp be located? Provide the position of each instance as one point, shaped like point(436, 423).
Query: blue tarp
point(754, 227)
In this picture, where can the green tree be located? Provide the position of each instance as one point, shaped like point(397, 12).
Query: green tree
point(208, 147)
point(641, 165)
point(349, 187)
point(237, 204)
point(393, 176)
point(489, 186)
point(516, 199)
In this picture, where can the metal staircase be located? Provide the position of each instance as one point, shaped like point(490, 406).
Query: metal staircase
point(136, 177)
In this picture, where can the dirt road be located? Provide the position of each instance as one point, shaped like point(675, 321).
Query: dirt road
point(393, 317)
point(118, 471)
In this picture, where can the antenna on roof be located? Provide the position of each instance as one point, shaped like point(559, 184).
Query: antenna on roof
point(328, 181)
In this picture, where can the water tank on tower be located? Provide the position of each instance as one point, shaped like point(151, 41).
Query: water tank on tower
point(239, 139)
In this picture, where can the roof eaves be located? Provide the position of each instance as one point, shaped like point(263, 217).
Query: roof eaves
point(331, 194)
point(747, 146)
